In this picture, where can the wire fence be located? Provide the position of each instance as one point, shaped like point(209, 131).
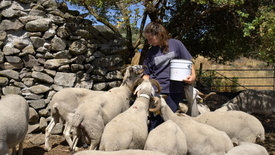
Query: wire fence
point(257, 79)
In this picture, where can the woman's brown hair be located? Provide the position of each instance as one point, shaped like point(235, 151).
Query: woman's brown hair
point(156, 29)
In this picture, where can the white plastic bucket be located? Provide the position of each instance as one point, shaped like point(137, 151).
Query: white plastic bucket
point(180, 69)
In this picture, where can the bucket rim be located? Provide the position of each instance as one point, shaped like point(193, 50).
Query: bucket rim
point(181, 60)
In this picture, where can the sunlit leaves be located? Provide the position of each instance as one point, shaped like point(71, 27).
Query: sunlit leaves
point(220, 2)
point(262, 30)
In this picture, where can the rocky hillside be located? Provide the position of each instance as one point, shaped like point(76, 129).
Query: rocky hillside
point(45, 47)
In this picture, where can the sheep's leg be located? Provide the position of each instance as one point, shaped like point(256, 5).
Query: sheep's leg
point(20, 151)
point(47, 134)
point(67, 134)
point(93, 145)
point(75, 140)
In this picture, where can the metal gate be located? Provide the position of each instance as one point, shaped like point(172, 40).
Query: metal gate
point(263, 79)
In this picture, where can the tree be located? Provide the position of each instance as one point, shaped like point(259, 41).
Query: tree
point(221, 30)
point(224, 30)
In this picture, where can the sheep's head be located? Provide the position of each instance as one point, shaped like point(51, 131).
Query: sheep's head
point(132, 73)
point(159, 102)
point(143, 86)
point(155, 105)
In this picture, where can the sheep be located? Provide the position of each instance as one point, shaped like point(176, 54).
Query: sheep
point(252, 101)
point(246, 148)
point(14, 117)
point(195, 101)
point(91, 116)
point(167, 138)
point(238, 125)
point(201, 138)
point(63, 102)
point(129, 129)
point(121, 152)
point(191, 94)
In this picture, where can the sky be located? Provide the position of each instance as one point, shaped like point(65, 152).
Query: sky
point(141, 8)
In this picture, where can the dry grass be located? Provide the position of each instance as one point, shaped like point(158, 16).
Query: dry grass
point(242, 63)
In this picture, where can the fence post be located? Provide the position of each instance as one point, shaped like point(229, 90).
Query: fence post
point(200, 72)
point(273, 77)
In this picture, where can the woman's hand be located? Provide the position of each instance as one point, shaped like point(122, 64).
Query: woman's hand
point(192, 78)
point(146, 77)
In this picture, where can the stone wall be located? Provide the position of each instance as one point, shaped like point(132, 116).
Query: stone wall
point(44, 47)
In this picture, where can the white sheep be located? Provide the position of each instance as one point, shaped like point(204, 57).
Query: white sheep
point(167, 138)
point(121, 152)
point(14, 118)
point(62, 103)
point(191, 95)
point(252, 101)
point(201, 138)
point(129, 129)
point(195, 101)
point(246, 148)
point(91, 116)
point(238, 125)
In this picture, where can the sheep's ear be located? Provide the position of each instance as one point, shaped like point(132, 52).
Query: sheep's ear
point(163, 96)
point(136, 83)
point(140, 72)
point(136, 92)
point(235, 141)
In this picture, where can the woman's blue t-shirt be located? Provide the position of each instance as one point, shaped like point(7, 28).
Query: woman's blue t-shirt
point(157, 65)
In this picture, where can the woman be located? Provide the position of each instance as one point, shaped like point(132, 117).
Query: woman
point(157, 66)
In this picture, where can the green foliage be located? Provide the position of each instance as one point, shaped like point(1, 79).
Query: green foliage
point(224, 30)
point(262, 28)
point(219, 2)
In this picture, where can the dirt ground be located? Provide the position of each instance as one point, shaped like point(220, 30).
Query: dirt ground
point(59, 147)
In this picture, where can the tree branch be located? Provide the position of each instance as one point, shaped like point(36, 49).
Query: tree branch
point(100, 19)
point(142, 25)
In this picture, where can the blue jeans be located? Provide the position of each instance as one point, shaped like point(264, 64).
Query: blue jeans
point(172, 100)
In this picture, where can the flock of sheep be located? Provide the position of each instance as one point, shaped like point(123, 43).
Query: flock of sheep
point(110, 125)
